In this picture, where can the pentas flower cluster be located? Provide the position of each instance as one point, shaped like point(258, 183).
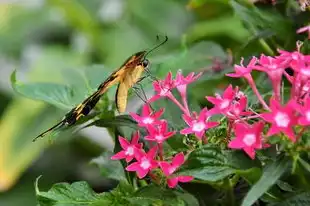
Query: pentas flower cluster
point(285, 119)
point(158, 132)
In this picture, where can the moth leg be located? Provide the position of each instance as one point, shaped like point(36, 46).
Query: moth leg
point(143, 97)
point(150, 75)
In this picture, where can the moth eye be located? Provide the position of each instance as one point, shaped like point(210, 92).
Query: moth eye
point(145, 63)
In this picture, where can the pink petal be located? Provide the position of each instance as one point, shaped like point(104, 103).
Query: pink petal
point(146, 110)
point(152, 153)
point(139, 153)
point(178, 160)
point(157, 114)
point(187, 119)
point(169, 134)
point(172, 182)
point(165, 167)
point(236, 143)
point(163, 126)
point(135, 137)
point(250, 151)
point(141, 173)
point(119, 155)
point(200, 134)
point(213, 100)
point(123, 142)
point(290, 133)
point(135, 117)
point(133, 166)
point(212, 124)
point(273, 130)
point(185, 178)
point(229, 92)
point(186, 131)
point(129, 158)
point(203, 114)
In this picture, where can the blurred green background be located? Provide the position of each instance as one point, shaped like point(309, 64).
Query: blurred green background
point(41, 39)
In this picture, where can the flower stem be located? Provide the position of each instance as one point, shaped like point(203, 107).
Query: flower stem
point(256, 92)
point(161, 152)
point(174, 100)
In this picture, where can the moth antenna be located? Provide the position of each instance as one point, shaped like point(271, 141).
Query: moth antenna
point(158, 45)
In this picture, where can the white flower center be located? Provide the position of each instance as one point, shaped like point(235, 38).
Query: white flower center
point(171, 170)
point(295, 56)
point(249, 139)
point(159, 137)
point(224, 104)
point(145, 163)
point(198, 126)
point(305, 71)
point(129, 151)
point(148, 120)
point(273, 66)
point(308, 115)
point(163, 91)
point(282, 119)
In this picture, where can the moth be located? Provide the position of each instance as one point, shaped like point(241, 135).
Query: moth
point(126, 77)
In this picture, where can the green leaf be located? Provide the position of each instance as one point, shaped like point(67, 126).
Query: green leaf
point(270, 176)
point(117, 196)
point(302, 199)
point(210, 163)
point(259, 20)
point(109, 168)
point(228, 26)
point(64, 194)
point(152, 194)
point(305, 164)
point(115, 121)
point(56, 94)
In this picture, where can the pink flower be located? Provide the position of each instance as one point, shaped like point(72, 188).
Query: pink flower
point(163, 87)
point(169, 168)
point(242, 71)
point(274, 68)
point(305, 112)
point(248, 138)
point(199, 125)
point(181, 81)
point(128, 148)
point(304, 29)
point(148, 117)
point(282, 118)
point(222, 103)
point(289, 59)
point(145, 162)
point(158, 133)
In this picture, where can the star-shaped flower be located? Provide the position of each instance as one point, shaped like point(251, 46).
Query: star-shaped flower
point(181, 81)
point(169, 168)
point(248, 138)
point(158, 133)
point(243, 71)
point(148, 117)
point(199, 125)
point(282, 118)
point(163, 87)
point(145, 162)
point(128, 148)
point(304, 110)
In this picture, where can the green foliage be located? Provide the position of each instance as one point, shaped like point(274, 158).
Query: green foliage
point(209, 163)
point(61, 194)
point(269, 177)
point(79, 45)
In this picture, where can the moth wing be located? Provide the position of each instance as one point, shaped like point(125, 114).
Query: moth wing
point(121, 97)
